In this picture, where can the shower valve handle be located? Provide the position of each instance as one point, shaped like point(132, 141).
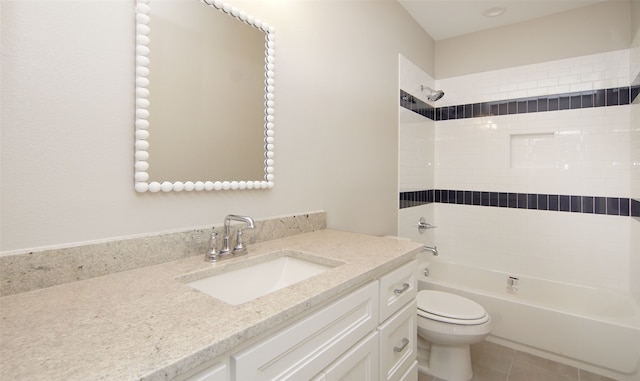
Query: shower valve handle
point(424, 225)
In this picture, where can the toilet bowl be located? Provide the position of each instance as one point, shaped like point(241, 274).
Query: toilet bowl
point(450, 323)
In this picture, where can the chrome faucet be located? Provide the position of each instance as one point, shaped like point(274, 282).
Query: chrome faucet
point(433, 250)
point(239, 248)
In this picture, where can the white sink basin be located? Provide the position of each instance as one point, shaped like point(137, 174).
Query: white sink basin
point(255, 280)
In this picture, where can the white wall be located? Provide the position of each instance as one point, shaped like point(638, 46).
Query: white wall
point(67, 121)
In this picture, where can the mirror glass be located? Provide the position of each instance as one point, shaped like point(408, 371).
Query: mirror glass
point(205, 104)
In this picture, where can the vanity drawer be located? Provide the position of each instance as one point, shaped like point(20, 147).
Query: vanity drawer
point(358, 364)
point(398, 343)
point(397, 289)
point(302, 350)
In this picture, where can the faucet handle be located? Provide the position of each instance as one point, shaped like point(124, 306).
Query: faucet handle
point(240, 247)
point(212, 255)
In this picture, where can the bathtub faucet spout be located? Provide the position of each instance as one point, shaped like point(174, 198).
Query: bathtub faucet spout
point(433, 250)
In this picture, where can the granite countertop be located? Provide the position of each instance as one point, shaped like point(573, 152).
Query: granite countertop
point(146, 324)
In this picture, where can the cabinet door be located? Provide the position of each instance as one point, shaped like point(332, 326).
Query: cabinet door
point(397, 289)
point(302, 350)
point(320, 377)
point(358, 364)
point(398, 343)
point(411, 374)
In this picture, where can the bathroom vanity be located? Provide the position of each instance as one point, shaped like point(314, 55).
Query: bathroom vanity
point(368, 334)
point(357, 319)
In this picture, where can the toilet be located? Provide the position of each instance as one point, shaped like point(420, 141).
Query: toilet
point(450, 324)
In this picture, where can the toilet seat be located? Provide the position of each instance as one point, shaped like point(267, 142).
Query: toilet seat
point(450, 308)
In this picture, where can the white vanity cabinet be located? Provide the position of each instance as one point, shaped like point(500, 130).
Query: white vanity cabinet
point(304, 349)
point(398, 324)
point(369, 334)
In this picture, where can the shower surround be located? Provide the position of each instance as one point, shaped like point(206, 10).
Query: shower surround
point(530, 170)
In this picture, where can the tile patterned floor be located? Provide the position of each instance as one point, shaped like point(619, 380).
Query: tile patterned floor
point(493, 362)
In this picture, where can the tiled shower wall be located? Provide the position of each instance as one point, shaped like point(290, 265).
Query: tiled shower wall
point(416, 153)
point(417, 133)
point(537, 158)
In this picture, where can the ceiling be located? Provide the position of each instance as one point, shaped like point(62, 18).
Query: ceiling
point(444, 19)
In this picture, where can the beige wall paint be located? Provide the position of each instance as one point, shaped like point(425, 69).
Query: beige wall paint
point(635, 22)
point(593, 29)
point(67, 121)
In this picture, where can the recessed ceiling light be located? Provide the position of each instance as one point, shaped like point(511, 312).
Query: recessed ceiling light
point(494, 12)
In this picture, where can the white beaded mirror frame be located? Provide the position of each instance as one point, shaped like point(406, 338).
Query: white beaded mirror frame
point(142, 126)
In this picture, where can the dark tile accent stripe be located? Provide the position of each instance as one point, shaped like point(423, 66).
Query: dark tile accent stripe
point(616, 96)
point(614, 206)
point(416, 105)
point(635, 208)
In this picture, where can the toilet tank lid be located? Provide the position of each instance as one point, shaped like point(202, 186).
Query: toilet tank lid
point(449, 305)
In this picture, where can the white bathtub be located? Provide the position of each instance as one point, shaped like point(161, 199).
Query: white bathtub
point(593, 329)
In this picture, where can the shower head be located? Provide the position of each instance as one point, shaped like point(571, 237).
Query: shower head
point(433, 95)
point(436, 95)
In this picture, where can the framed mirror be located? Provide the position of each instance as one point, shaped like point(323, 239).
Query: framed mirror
point(205, 100)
